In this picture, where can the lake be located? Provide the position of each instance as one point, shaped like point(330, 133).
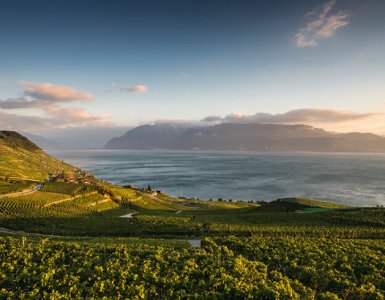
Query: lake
point(355, 179)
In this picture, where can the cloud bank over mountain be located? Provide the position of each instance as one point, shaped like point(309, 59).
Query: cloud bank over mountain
point(306, 115)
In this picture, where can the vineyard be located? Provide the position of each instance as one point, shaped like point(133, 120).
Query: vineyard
point(37, 199)
point(67, 188)
point(285, 249)
point(224, 268)
point(42, 211)
point(143, 201)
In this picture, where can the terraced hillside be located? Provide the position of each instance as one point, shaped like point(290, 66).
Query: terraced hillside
point(22, 159)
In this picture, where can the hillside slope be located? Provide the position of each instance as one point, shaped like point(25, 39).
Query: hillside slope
point(22, 159)
point(247, 137)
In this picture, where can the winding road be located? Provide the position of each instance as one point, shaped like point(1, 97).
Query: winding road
point(22, 193)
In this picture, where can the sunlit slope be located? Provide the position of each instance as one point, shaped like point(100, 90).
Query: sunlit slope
point(298, 205)
point(139, 200)
point(22, 159)
point(312, 202)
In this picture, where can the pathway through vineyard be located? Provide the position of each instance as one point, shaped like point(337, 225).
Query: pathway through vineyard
point(23, 193)
point(196, 243)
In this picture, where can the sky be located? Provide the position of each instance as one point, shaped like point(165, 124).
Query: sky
point(68, 64)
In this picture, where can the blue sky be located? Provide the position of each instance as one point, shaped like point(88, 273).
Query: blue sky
point(143, 61)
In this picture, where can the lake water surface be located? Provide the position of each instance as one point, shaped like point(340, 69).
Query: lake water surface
point(355, 179)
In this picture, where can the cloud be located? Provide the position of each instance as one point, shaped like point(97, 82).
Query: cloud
point(321, 24)
point(53, 93)
point(136, 89)
point(211, 119)
point(307, 115)
point(43, 95)
point(140, 88)
point(63, 118)
point(48, 99)
point(17, 122)
point(72, 115)
point(19, 103)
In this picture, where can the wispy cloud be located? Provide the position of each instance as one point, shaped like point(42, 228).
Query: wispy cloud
point(306, 115)
point(139, 88)
point(53, 93)
point(321, 24)
point(136, 89)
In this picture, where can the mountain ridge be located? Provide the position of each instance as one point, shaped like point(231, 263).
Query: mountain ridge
point(246, 137)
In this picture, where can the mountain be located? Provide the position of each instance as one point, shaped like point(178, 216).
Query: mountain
point(20, 158)
point(42, 141)
point(246, 137)
point(84, 137)
point(147, 137)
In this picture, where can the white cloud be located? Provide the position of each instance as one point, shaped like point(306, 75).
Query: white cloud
point(140, 88)
point(72, 115)
point(53, 93)
point(321, 24)
point(136, 89)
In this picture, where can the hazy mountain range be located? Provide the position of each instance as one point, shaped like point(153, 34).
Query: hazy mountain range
point(43, 142)
point(76, 138)
point(246, 137)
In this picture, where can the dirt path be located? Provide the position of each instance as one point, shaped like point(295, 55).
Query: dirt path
point(128, 216)
point(58, 202)
point(9, 231)
point(68, 199)
point(101, 201)
point(196, 243)
point(23, 193)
